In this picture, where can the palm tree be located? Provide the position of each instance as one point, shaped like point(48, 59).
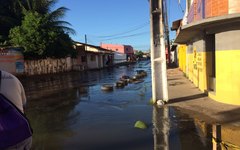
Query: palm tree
point(43, 7)
point(10, 16)
point(42, 31)
point(12, 12)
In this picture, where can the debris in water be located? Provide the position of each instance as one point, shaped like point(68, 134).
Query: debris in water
point(107, 87)
point(140, 124)
point(160, 102)
point(151, 102)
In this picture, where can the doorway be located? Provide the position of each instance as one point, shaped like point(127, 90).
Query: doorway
point(211, 61)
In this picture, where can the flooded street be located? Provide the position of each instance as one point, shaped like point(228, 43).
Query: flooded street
point(69, 111)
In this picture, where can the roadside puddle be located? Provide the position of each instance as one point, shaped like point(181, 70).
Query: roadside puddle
point(172, 129)
point(225, 137)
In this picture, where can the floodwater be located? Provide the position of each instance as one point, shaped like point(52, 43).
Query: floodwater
point(69, 111)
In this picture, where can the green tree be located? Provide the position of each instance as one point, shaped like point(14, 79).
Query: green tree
point(53, 18)
point(61, 46)
point(31, 35)
point(40, 41)
point(139, 54)
point(42, 33)
point(13, 11)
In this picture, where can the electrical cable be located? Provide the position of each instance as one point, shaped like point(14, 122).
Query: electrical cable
point(126, 36)
point(180, 5)
point(125, 32)
point(146, 46)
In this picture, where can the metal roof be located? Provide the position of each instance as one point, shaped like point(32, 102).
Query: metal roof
point(93, 46)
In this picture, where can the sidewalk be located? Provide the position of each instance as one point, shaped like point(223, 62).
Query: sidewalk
point(184, 95)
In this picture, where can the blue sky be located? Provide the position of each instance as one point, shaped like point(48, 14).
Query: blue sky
point(115, 21)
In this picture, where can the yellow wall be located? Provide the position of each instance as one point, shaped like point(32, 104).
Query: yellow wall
point(196, 61)
point(194, 66)
point(201, 71)
point(190, 66)
point(196, 71)
point(227, 74)
point(227, 77)
point(182, 49)
point(198, 68)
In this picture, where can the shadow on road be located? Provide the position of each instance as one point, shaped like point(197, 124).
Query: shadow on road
point(230, 116)
point(186, 98)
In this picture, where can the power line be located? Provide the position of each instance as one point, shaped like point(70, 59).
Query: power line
point(143, 46)
point(146, 46)
point(92, 42)
point(180, 5)
point(126, 36)
point(125, 32)
point(118, 35)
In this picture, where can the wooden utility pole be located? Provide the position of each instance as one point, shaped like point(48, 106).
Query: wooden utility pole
point(158, 52)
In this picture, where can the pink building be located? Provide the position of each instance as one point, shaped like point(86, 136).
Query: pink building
point(124, 49)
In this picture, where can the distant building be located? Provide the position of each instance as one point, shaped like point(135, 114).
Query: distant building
point(119, 58)
point(122, 49)
point(209, 49)
point(92, 57)
point(12, 60)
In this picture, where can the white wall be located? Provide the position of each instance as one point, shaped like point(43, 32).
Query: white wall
point(119, 58)
point(11, 61)
point(92, 64)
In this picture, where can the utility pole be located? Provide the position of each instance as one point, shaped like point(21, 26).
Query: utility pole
point(158, 52)
point(85, 39)
point(165, 20)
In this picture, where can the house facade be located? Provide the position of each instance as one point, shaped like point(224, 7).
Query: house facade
point(121, 49)
point(92, 57)
point(12, 60)
point(209, 49)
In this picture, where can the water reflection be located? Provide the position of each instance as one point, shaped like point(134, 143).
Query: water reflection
point(70, 111)
point(176, 131)
point(161, 128)
point(225, 137)
point(216, 137)
point(51, 115)
point(173, 130)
